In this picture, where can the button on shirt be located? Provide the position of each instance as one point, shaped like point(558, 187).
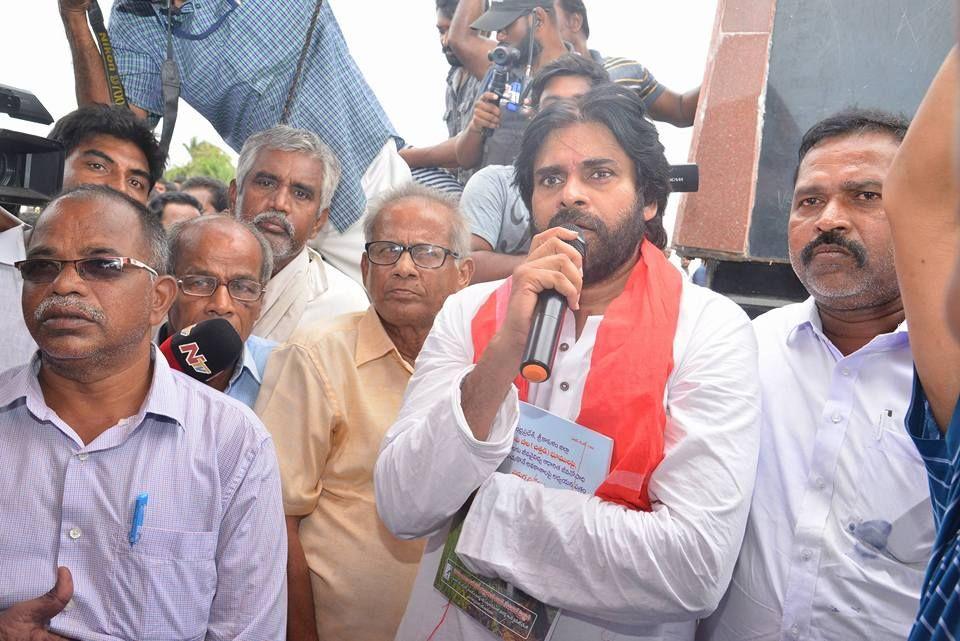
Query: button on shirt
point(16, 344)
point(615, 572)
point(840, 526)
point(237, 64)
point(211, 558)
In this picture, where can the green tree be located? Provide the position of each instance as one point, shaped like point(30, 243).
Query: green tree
point(206, 159)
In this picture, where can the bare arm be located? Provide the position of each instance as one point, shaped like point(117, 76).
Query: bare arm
point(920, 198)
point(491, 265)
point(677, 109)
point(443, 154)
point(301, 617)
point(89, 77)
point(471, 48)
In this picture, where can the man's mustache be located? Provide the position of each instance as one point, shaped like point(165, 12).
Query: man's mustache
point(277, 218)
point(57, 305)
point(858, 251)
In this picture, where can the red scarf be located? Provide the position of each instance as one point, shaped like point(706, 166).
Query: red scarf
point(632, 359)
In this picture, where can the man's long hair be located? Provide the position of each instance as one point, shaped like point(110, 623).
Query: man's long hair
point(622, 112)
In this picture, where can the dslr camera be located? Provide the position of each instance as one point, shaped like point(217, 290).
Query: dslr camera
point(31, 167)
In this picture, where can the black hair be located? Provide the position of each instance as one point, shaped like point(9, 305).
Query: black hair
point(157, 204)
point(852, 122)
point(621, 111)
point(569, 64)
point(217, 189)
point(447, 8)
point(101, 120)
point(577, 7)
point(154, 235)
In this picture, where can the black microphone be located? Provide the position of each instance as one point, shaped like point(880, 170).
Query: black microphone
point(684, 178)
point(541, 348)
point(203, 350)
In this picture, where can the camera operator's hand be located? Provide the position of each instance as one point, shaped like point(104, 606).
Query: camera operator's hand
point(486, 113)
point(28, 620)
point(74, 6)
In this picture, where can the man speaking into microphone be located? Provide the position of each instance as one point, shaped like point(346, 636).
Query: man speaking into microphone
point(664, 368)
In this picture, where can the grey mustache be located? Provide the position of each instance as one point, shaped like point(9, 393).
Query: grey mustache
point(68, 303)
point(276, 217)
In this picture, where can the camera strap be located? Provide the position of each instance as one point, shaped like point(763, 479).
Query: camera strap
point(295, 83)
point(114, 84)
point(170, 84)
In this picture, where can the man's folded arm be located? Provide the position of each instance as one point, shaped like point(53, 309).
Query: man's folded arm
point(602, 560)
point(429, 461)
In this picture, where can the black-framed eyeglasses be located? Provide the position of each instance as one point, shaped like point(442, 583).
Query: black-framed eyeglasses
point(101, 268)
point(386, 252)
point(242, 289)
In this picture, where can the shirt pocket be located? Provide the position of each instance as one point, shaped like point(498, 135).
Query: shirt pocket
point(164, 584)
point(892, 516)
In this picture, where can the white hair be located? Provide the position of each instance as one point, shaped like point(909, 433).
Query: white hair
point(286, 138)
point(459, 229)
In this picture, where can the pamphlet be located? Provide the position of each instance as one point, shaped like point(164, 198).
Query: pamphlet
point(556, 453)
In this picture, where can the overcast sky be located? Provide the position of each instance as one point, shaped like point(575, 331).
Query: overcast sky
point(396, 45)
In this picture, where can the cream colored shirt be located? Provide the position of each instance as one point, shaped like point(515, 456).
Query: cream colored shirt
point(306, 292)
point(328, 397)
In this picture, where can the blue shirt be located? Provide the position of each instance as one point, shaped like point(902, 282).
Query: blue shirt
point(211, 559)
point(939, 615)
point(239, 75)
point(245, 381)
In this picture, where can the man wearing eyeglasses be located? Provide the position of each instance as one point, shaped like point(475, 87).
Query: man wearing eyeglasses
point(222, 266)
point(329, 396)
point(149, 502)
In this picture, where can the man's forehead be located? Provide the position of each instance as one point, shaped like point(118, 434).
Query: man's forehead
point(88, 220)
point(579, 143)
point(299, 165)
point(427, 218)
point(866, 152)
point(116, 148)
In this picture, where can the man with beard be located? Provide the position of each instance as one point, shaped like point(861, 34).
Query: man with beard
point(672, 379)
point(285, 180)
point(840, 527)
point(154, 501)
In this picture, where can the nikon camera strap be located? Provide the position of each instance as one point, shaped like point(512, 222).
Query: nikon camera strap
point(115, 85)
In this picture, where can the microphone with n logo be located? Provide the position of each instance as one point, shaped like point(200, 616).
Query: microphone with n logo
point(204, 350)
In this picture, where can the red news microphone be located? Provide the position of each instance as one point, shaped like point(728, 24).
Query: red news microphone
point(203, 350)
point(544, 335)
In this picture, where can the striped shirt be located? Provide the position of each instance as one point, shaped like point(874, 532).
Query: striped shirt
point(239, 73)
point(632, 75)
point(211, 558)
point(939, 616)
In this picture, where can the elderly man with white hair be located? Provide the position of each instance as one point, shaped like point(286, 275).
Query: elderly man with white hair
point(329, 396)
point(285, 182)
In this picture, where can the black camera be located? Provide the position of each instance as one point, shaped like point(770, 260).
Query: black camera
point(504, 56)
point(31, 167)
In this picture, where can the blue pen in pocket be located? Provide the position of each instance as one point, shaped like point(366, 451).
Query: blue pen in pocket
point(139, 508)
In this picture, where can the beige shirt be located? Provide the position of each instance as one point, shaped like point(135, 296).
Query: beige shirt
point(306, 292)
point(328, 398)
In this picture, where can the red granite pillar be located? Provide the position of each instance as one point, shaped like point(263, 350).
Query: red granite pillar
point(715, 221)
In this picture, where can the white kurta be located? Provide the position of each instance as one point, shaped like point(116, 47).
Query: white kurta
point(16, 344)
point(306, 292)
point(642, 575)
point(841, 526)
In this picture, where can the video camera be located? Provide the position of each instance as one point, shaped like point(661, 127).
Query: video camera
point(31, 167)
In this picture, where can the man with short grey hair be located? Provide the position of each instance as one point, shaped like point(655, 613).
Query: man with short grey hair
point(285, 181)
point(329, 396)
point(222, 266)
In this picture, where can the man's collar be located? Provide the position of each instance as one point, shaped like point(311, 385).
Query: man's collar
point(248, 362)
point(806, 316)
point(373, 341)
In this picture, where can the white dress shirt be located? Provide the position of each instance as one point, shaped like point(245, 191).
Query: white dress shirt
point(16, 344)
point(306, 292)
point(841, 525)
point(642, 575)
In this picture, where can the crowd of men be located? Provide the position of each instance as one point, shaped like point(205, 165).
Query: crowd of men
point(793, 477)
